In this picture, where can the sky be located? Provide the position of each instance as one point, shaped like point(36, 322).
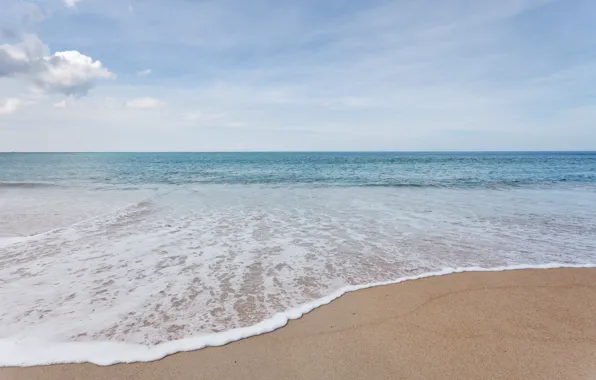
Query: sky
point(235, 75)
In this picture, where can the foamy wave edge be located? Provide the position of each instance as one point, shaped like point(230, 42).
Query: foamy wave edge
point(30, 352)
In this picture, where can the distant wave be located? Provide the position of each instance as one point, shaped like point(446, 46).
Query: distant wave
point(324, 182)
point(26, 185)
point(331, 182)
point(468, 183)
point(397, 185)
point(461, 184)
point(441, 184)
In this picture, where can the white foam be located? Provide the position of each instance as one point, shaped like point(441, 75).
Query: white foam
point(4, 241)
point(29, 352)
point(193, 267)
point(45, 209)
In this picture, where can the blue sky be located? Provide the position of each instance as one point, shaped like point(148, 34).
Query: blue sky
point(297, 75)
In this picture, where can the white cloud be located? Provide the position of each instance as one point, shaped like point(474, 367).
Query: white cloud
point(65, 72)
point(10, 106)
point(198, 116)
point(71, 3)
point(60, 104)
point(19, 58)
point(144, 73)
point(144, 103)
point(70, 73)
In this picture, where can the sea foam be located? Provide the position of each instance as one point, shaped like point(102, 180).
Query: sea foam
point(30, 352)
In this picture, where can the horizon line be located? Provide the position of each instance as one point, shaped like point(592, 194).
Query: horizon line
point(303, 151)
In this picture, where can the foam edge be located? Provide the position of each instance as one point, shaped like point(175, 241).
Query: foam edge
point(31, 352)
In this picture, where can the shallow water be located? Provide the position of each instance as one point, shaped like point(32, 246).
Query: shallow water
point(150, 249)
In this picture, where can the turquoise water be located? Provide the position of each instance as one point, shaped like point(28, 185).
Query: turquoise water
point(327, 169)
point(152, 253)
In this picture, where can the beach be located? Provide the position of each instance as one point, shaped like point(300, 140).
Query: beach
point(297, 190)
point(519, 324)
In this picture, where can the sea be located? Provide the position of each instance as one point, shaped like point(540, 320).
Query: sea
point(123, 257)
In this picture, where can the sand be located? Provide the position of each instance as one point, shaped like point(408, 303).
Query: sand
point(524, 324)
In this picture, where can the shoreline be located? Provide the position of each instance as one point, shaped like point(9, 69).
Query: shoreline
point(324, 338)
point(111, 353)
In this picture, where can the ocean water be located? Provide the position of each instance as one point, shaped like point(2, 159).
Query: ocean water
point(119, 257)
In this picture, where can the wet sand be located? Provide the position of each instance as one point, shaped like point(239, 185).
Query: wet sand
point(523, 324)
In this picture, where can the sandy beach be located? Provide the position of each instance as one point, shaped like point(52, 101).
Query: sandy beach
point(522, 324)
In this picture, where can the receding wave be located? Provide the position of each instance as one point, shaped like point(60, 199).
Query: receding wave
point(16, 352)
